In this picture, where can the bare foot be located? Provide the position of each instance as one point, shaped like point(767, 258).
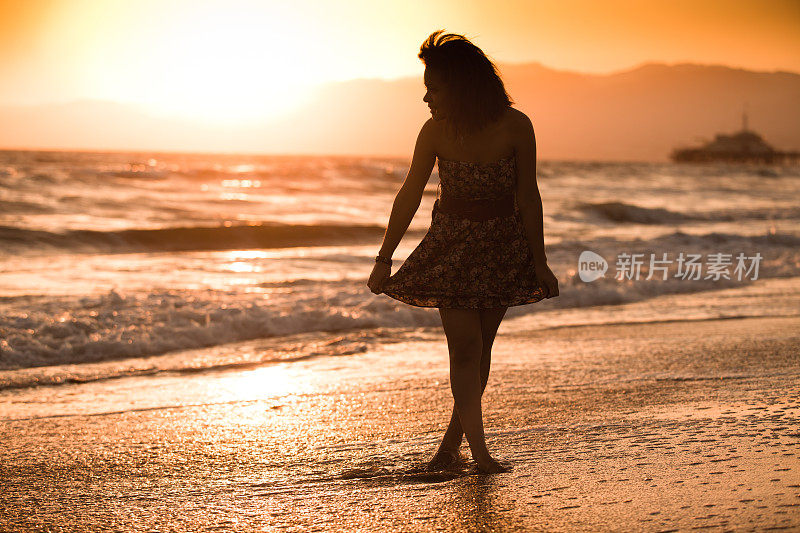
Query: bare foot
point(493, 466)
point(443, 459)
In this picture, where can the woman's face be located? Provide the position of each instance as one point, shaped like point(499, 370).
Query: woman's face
point(435, 94)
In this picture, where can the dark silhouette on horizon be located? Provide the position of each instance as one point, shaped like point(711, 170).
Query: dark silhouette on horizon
point(744, 146)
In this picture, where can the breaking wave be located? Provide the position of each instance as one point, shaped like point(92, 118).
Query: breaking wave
point(188, 238)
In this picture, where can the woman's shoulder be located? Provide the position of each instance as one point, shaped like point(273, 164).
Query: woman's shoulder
point(514, 118)
point(519, 128)
point(509, 119)
point(507, 130)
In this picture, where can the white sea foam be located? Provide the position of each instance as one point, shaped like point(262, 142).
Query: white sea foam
point(45, 331)
point(48, 329)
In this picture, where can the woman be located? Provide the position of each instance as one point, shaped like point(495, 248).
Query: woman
point(484, 251)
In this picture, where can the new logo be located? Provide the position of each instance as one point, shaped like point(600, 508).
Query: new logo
point(591, 266)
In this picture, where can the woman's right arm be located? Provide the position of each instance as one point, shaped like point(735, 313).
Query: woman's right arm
point(409, 197)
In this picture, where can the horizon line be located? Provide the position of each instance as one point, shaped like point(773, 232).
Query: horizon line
point(288, 154)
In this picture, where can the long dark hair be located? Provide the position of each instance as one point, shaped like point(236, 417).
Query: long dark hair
point(475, 92)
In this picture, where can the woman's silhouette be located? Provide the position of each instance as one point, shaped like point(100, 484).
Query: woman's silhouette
point(484, 251)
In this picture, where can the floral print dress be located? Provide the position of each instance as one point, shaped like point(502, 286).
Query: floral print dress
point(469, 264)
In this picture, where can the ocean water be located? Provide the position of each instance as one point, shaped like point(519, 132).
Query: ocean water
point(148, 262)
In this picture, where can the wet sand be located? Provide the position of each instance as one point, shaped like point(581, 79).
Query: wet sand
point(665, 426)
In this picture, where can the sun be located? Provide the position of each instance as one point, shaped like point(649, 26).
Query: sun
point(232, 61)
point(230, 65)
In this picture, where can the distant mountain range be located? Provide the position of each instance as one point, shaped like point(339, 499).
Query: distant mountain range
point(638, 114)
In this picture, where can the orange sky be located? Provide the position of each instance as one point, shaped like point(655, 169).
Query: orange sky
point(227, 59)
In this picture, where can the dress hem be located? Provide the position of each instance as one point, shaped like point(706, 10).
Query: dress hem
point(437, 302)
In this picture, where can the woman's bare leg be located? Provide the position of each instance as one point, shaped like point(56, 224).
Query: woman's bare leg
point(470, 334)
point(451, 442)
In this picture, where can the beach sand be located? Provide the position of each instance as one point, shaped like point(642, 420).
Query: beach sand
point(661, 426)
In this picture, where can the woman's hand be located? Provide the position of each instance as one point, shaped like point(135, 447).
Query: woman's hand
point(380, 273)
point(548, 280)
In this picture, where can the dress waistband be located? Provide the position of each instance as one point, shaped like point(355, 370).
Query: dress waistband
point(476, 209)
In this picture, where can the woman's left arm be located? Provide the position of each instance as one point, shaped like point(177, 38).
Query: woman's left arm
point(530, 202)
point(528, 198)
